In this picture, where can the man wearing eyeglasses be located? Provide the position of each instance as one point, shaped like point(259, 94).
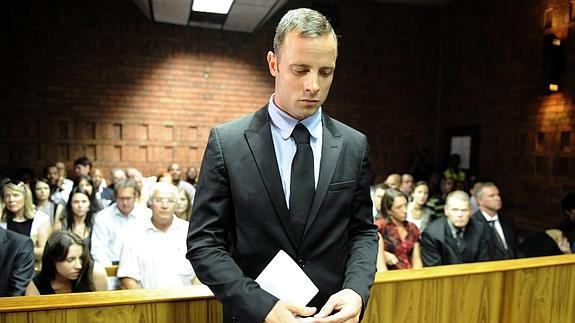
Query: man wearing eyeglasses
point(155, 256)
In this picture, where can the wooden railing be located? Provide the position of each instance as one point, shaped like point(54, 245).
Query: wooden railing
point(537, 290)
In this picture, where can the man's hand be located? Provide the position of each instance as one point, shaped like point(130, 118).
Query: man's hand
point(285, 312)
point(348, 305)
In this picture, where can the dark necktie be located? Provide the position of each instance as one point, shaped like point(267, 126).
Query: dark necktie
point(501, 252)
point(302, 183)
point(459, 240)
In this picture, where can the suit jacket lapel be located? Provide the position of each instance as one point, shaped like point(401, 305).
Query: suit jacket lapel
point(330, 151)
point(259, 138)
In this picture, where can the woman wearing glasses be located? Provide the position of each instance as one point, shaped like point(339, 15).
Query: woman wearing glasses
point(20, 215)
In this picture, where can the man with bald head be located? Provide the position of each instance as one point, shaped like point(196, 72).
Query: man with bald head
point(393, 181)
point(176, 174)
point(457, 237)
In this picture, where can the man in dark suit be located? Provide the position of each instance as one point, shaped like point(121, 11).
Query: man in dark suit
point(16, 263)
point(456, 238)
point(502, 239)
point(246, 208)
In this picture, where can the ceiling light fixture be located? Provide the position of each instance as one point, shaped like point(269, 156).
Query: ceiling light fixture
point(212, 6)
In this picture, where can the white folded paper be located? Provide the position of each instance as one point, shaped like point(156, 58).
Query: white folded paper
point(284, 279)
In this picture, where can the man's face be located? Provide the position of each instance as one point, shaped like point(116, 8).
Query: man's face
point(97, 177)
point(126, 197)
point(303, 71)
point(80, 169)
point(61, 169)
point(490, 199)
point(163, 206)
point(458, 212)
point(53, 175)
point(393, 181)
point(175, 172)
point(407, 183)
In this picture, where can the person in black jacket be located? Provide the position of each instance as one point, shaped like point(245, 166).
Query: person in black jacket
point(457, 237)
point(16, 263)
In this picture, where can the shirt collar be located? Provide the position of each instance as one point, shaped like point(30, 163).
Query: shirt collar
point(119, 213)
point(490, 218)
point(285, 123)
point(149, 225)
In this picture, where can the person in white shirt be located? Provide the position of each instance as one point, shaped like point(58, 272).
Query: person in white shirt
point(155, 256)
point(176, 173)
point(114, 224)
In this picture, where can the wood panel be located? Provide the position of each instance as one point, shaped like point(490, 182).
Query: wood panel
point(535, 290)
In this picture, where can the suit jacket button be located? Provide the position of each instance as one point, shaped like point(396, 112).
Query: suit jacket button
point(301, 263)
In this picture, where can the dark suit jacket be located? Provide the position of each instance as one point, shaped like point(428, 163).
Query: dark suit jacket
point(241, 220)
point(508, 232)
point(439, 248)
point(16, 263)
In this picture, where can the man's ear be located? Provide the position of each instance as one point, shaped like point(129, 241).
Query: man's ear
point(272, 63)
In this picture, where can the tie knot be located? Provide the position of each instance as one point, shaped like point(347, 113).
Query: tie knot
point(300, 134)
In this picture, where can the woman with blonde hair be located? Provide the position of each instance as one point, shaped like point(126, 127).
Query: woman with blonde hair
point(184, 206)
point(20, 215)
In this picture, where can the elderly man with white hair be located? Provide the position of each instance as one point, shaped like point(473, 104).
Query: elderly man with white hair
point(155, 255)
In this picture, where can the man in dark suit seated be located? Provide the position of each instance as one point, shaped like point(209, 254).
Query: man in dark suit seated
point(16, 263)
point(502, 239)
point(287, 177)
point(456, 238)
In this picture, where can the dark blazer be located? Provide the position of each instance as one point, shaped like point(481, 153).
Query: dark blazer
point(439, 248)
point(510, 237)
point(241, 220)
point(16, 263)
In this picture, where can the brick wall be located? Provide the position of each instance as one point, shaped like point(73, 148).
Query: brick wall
point(96, 78)
point(493, 78)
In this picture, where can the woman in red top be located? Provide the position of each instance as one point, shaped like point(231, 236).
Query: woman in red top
point(400, 238)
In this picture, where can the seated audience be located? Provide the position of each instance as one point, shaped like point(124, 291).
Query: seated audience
point(99, 185)
point(19, 215)
point(453, 171)
point(437, 201)
point(502, 239)
point(112, 225)
point(568, 226)
point(16, 263)
point(78, 216)
point(457, 237)
point(184, 206)
point(547, 243)
point(67, 268)
point(42, 190)
point(400, 238)
point(155, 256)
point(418, 212)
point(86, 184)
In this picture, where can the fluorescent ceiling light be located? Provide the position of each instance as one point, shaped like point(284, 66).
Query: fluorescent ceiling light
point(212, 6)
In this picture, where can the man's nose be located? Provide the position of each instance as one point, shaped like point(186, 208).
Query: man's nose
point(312, 83)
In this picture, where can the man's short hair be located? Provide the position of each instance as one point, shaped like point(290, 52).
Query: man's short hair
point(457, 195)
point(308, 22)
point(84, 161)
point(164, 186)
point(126, 183)
point(479, 190)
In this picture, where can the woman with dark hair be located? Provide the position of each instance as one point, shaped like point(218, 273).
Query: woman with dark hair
point(78, 215)
point(42, 190)
point(85, 182)
point(417, 211)
point(400, 237)
point(67, 268)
